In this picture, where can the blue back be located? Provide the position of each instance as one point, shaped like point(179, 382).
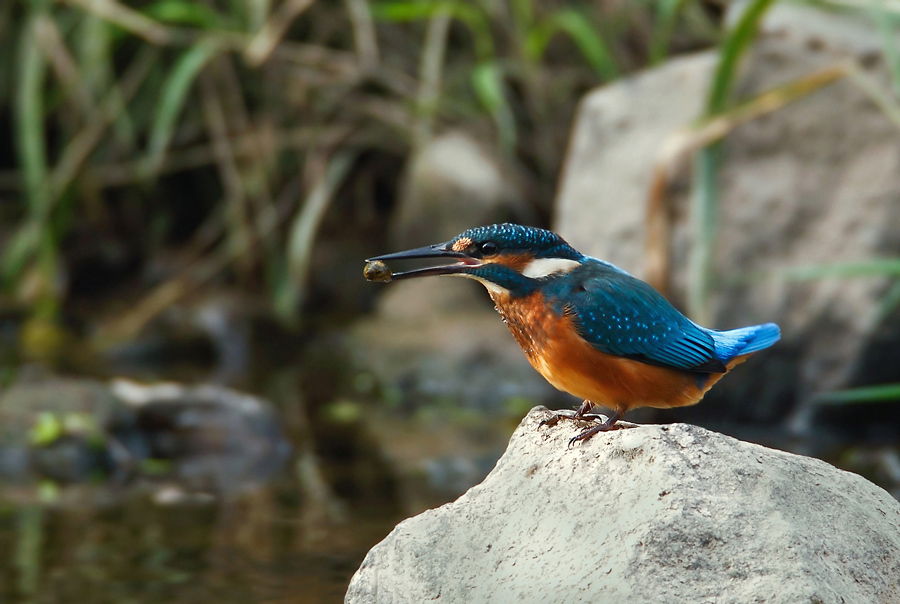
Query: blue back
point(623, 316)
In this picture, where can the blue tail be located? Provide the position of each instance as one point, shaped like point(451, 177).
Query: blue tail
point(735, 342)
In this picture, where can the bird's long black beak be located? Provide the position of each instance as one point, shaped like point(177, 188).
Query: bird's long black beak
point(464, 261)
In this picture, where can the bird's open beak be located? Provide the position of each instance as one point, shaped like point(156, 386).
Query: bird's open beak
point(440, 250)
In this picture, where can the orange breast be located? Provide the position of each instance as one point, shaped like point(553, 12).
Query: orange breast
point(554, 348)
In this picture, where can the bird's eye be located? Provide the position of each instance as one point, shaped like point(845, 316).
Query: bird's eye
point(488, 248)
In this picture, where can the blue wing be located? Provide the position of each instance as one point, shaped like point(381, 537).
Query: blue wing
point(623, 316)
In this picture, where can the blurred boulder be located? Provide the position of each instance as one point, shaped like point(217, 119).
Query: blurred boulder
point(452, 184)
point(429, 355)
point(215, 438)
point(57, 428)
point(203, 437)
point(211, 339)
point(816, 182)
point(669, 513)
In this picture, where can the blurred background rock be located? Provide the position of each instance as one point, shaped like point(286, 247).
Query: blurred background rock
point(203, 400)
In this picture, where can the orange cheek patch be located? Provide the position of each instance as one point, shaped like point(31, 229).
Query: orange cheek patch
point(517, 263)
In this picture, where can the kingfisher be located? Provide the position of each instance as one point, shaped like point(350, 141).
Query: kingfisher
point(590, 328)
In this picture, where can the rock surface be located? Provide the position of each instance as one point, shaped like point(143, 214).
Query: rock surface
point(657, 513)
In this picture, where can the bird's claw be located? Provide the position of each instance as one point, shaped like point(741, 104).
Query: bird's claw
point(601, 423)
point(566, 414)
point(550, 421)
point(586, 434)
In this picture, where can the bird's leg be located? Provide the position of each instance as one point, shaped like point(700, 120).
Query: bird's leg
point(609, 424)
point(582, 414)
point(585, 407)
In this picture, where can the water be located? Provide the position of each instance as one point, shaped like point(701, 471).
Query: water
point(94, 546)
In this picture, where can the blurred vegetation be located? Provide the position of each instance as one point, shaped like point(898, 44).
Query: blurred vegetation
point(154, 150)
point(224, 130)
point(151, 148)
point(720, 104)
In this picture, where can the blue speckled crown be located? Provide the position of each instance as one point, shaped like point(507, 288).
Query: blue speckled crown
point(514, 237)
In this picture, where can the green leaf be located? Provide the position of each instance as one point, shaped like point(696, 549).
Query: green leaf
point(46, 430)
point(705, 196)
point(184, 13)
point(343, 411)
point(866, 394)
point(667, 12)
point(579, 28)
point(19, 250)
point(733, 48)
point(592, 47)
point(172, 99)
point(156, 467)
point(48, 491)
point(487, 81)
point(31, 136)
point(291, 286)
point(472, 16)
point(403, 12)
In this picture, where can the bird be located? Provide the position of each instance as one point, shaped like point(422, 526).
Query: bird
point(587, 326)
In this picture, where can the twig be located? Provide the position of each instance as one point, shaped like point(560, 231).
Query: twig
point(267, 38)
point(130, 20)
point(363, 34)
point(255, 168)
point(245, 145)
point(703, 133)
point(337, 61)
point(235, 200)
point(194, 276)
point(430, 74)
point(51, 42)
point(83, 143)
point(304, 227)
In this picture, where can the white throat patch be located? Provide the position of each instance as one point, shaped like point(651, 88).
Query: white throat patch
point(544, 267)
point(493, 288)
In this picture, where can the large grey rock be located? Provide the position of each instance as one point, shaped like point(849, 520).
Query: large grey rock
point(670, 513)
point(815, 182)
point(619, 132)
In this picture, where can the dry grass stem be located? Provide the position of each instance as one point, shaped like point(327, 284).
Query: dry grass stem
point(129, 20)
point(306, 224)
point(364, 34)
point(270, 34)
point(195, 156)
point(688, 140)
point(63, 64)
point(235, 199)
point(83, 143)
point(430, 75)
